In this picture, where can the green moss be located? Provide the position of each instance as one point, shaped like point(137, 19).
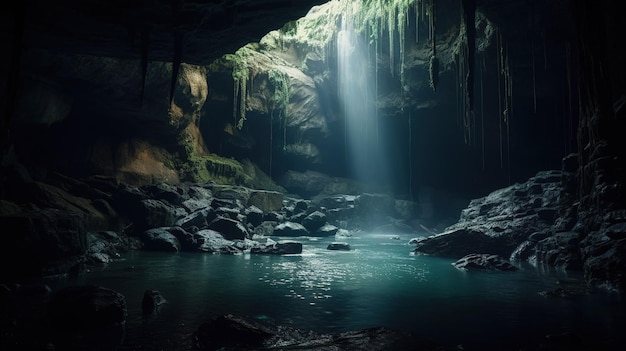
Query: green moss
point(370, 18)
point(280, 82)
point(197, 168)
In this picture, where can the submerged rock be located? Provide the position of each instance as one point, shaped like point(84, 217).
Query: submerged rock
point(483, 262)
point(152, 301)
point(339, 245)
point(278, 248)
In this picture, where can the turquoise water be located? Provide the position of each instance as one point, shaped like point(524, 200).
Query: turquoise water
point(378, 283)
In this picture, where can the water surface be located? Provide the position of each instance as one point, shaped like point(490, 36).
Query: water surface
point(378, 283)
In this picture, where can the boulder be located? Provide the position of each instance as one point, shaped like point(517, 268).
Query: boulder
point(483, 262)
point(87, 317)
point(159, 239)
point(314, 221)
point(231, 229)
point(267, 201)
point(284, 247)
point(290, 229)
point(152, 301)
point(339, 245)
point(326, 230)
point(214, 242)
point(254, 215)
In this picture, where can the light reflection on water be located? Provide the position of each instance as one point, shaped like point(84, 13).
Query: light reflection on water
point(377, 283)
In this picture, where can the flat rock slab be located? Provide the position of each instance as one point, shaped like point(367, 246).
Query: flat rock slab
point(483, 262)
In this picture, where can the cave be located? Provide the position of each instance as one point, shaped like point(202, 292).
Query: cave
point(313, 175)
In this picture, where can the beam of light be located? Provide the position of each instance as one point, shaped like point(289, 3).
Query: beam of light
point(357, 96)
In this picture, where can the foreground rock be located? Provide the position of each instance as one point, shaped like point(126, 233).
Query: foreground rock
point(87, 318)
point(235, 333)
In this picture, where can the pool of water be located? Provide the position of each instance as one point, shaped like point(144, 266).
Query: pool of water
point(379, 283)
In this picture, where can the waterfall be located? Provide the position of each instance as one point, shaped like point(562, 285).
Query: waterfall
point(357, 94)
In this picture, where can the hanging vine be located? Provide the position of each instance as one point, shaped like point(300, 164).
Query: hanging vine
point(433, 67)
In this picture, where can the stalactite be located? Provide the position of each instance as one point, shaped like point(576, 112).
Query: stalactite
point(242, 101)
point(532, 53)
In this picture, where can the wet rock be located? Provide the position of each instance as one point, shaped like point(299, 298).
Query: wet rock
point(284, 247)
point(483, 262)
point(194, 219)
point(230, 332)
point(231, 229)
point(266, 201)
point(501, 221)
point(212, 241)
point(568, 288)
point(560, 250)
point(339, 245)
point(327, 230)
point(104, 246)
point(42, 242)
point(314, 221)
point(254, 215)
point(290, 229)
point(188, 241)
point(87, 317)
point(159, 239)
point(273, 217)
point(152, 213)
point(152, 301)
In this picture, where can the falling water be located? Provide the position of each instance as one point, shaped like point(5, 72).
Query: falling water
point(357, 94)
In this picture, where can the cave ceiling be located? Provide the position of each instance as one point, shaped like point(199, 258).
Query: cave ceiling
point(128, 28)
point(206, 29)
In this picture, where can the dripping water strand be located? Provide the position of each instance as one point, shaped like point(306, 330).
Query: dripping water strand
point(568, 64)
point(410, 159)
point(499, 64)
point(545, 52)
point(482, 113)
point(269, 173)
point(508, 109)
point(532, 52)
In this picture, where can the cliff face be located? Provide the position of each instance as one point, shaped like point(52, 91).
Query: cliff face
point(137, 91)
